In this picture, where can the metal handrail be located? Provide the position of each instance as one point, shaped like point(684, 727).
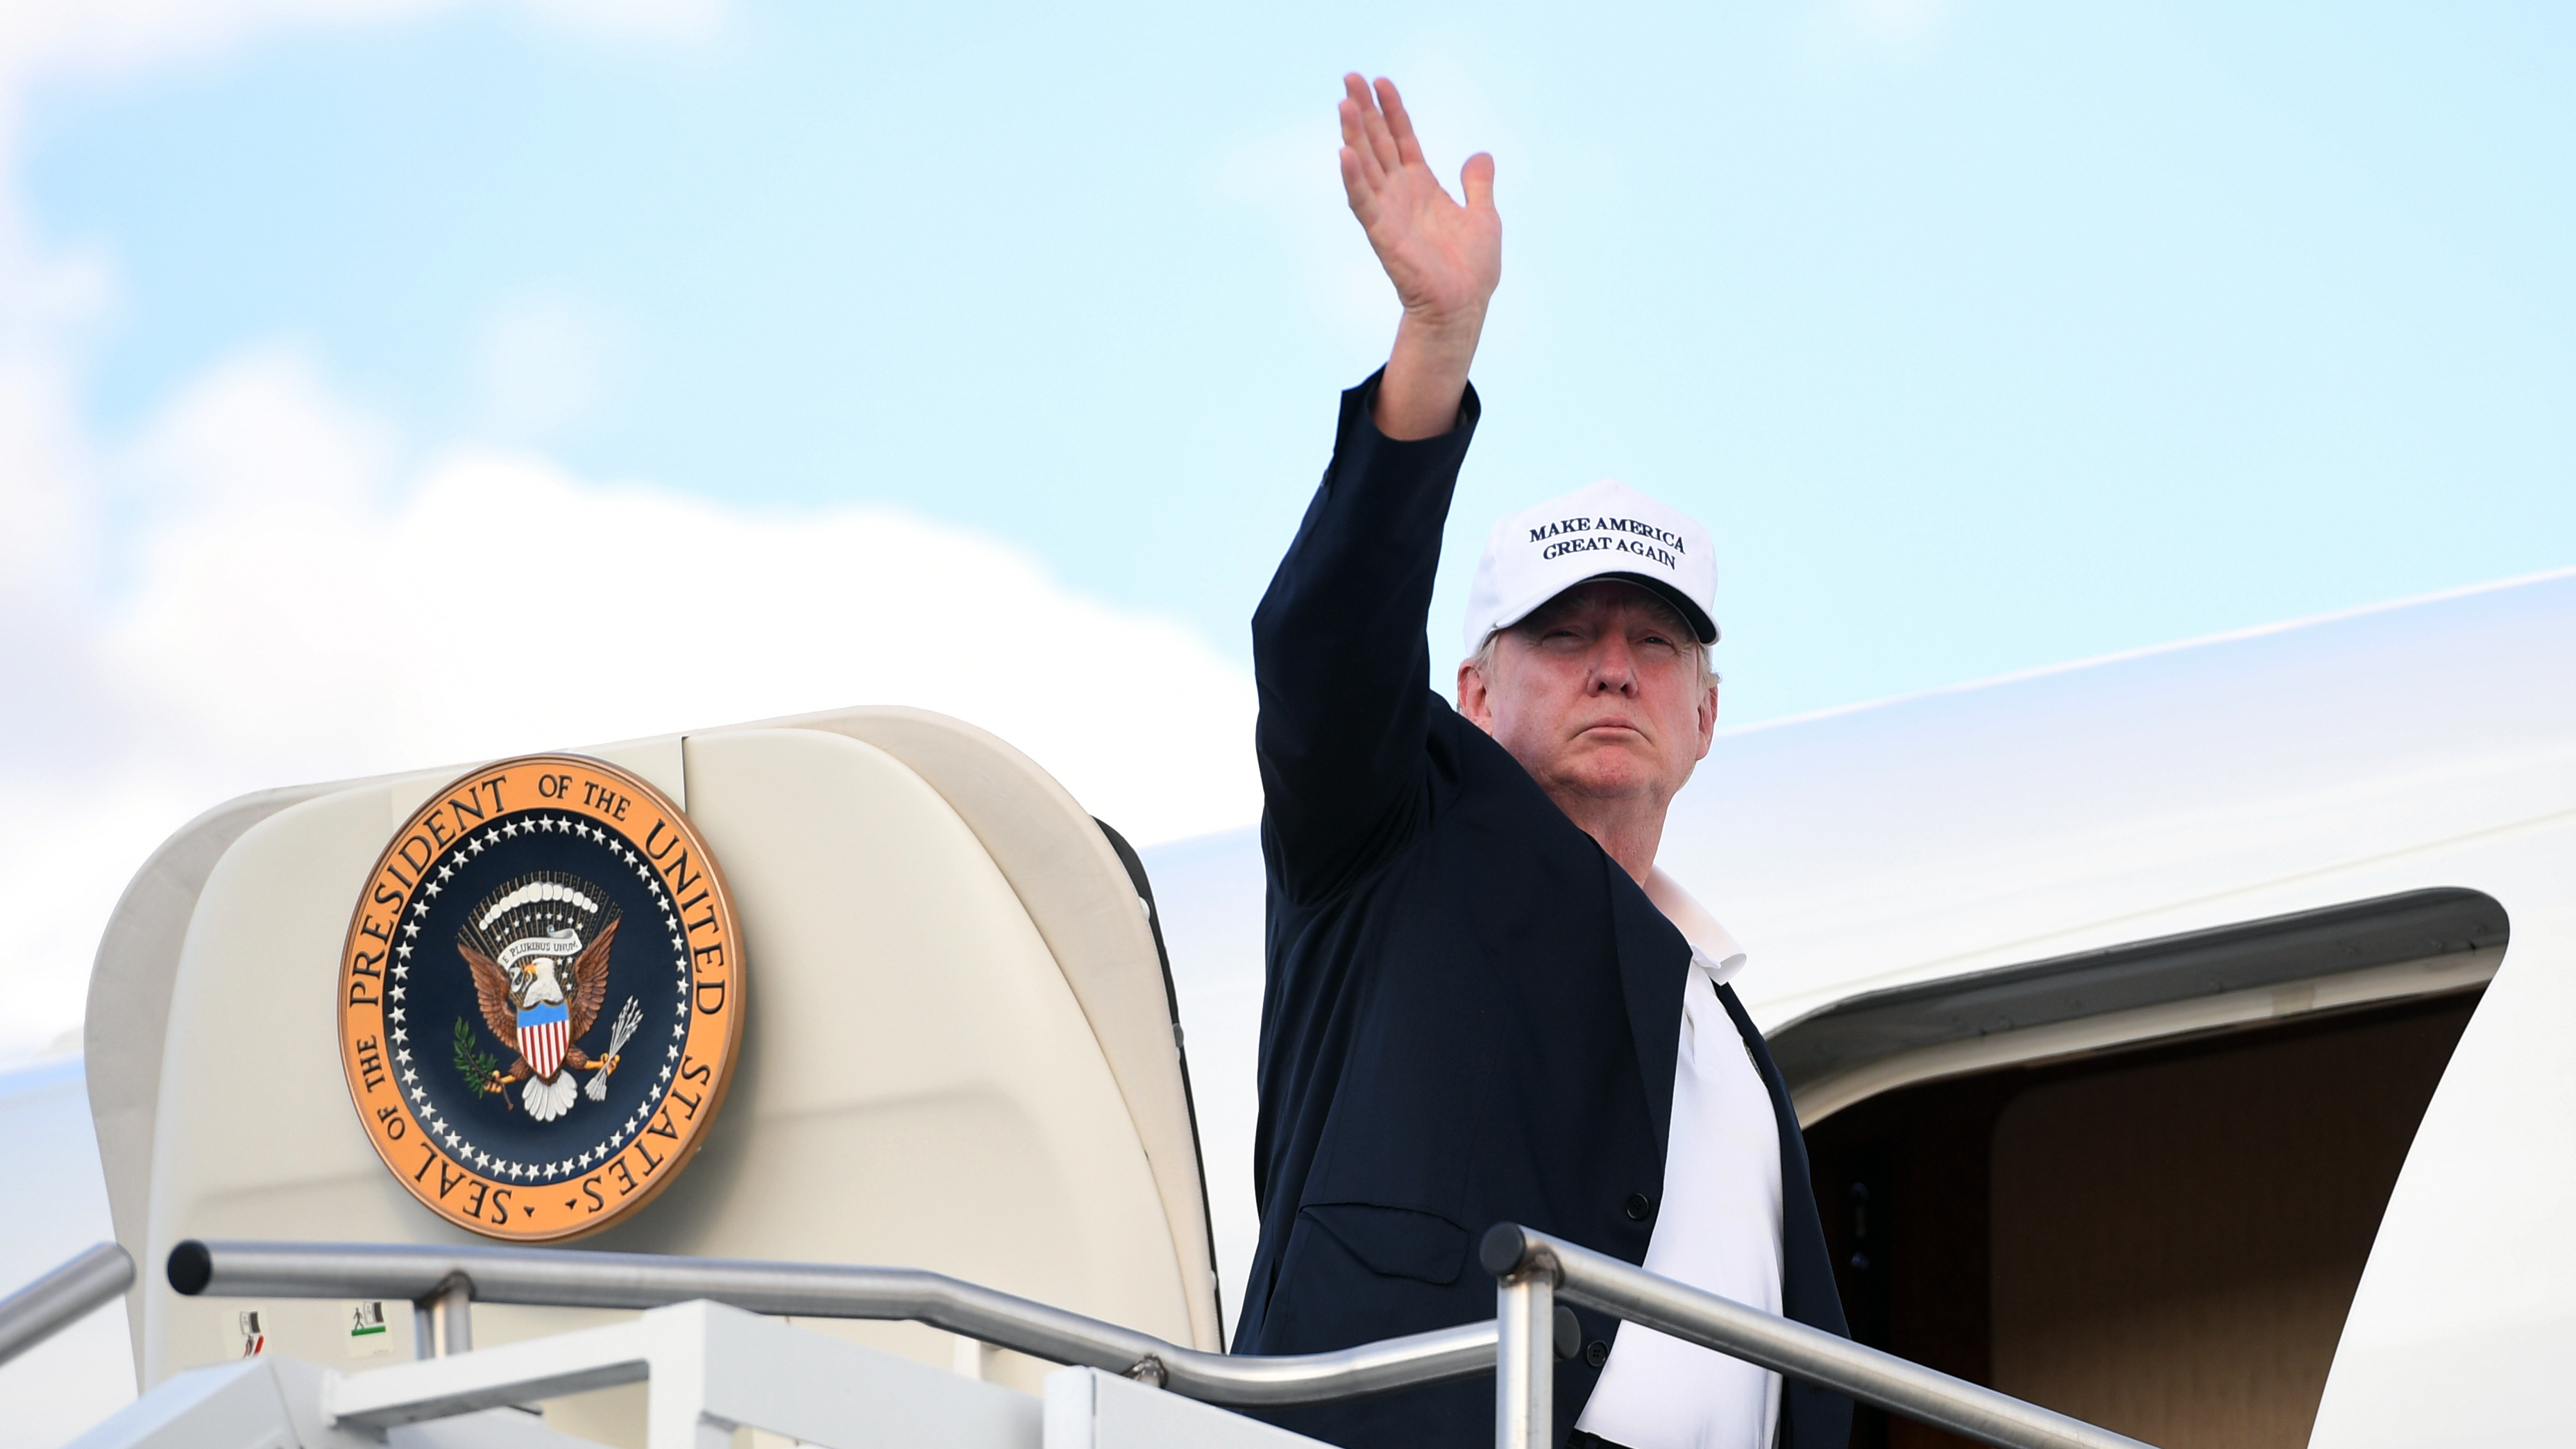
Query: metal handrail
point(1531, 1269)
point(555, 1278)
point(62, 1298)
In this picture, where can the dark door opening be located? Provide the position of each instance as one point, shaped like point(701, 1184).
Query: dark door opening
point(2163, 1240)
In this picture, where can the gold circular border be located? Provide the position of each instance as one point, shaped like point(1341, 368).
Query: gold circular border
point(619, 1188)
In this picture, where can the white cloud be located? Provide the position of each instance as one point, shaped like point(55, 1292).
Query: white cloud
point(249, 593)
point(258, 441)
point(106, 36)
point(285, 616)
point(40, 37)
point(41, 462)
point(293, 616)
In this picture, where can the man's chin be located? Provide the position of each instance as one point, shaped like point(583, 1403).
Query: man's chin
point(1607, 774)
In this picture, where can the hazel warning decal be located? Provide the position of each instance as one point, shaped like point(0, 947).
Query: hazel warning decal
point(541, 1000)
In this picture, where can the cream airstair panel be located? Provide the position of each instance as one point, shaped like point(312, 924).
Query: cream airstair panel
point(1077, 892)
point(926, 1082)
point(136, 968)
point(254, 1132)
point(128, 1009)
point(958, 1054)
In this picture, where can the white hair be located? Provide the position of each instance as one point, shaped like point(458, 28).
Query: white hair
point(1482, 661)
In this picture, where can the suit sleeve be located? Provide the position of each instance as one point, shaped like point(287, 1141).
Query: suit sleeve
point(1339, 654)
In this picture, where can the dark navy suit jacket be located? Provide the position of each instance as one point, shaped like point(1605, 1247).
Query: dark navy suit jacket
point(1471, 1012)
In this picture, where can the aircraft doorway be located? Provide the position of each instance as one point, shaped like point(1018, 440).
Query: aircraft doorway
point(2161, 1239)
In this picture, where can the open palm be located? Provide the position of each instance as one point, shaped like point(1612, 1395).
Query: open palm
point(1444, 258)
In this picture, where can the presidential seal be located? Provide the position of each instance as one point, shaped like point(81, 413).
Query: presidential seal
point(541, 1000)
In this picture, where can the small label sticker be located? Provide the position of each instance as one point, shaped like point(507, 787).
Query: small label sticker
point(367, 1335)
point(250, 1338)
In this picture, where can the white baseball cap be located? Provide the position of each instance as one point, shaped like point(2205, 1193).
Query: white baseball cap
point(1606, 530)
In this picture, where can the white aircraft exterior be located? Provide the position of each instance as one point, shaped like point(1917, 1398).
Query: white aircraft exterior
point(1860, 854)
point(2096, 895)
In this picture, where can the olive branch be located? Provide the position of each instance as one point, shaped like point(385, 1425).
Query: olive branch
point(474, 1064)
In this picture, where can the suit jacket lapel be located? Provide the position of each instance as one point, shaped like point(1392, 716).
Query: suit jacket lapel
point(1807, 1290)
point(1653, 959)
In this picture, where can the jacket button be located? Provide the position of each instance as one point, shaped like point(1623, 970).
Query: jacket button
point(1638, 1207)
point(1596, 1353)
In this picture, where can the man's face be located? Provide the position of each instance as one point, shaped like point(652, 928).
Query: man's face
point(1598, 695)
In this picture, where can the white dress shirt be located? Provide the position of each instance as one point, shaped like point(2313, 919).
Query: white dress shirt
point(1718, 1227)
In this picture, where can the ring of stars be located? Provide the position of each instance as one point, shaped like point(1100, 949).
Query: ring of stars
point(460, 1147)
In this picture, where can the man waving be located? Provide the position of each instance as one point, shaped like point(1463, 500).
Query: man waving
point(1484, 1003)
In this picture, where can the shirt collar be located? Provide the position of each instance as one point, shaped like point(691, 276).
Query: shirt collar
point(1713, 951)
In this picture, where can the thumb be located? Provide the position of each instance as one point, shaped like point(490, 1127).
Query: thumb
point(1476, 178)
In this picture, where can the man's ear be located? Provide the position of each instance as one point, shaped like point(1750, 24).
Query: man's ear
point(1473, 700)
point(1707, 721)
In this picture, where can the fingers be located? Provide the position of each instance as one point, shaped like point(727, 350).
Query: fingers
point(1357, 106)
point(1399, 124)
point(1378, 140)
point(1476, 179)
point(1362, 195)
point(1375, 142)
point(1356, 147)
point(1381, 141)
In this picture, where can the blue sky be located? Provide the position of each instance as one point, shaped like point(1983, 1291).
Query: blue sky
point(1984, 335)
point(983, 358)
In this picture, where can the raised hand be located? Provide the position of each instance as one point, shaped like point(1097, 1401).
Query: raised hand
point(1444, 258)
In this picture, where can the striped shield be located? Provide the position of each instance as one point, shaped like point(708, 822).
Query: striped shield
point(544, 1032)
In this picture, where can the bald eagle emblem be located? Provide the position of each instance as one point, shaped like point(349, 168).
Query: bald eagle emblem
point(538, 947)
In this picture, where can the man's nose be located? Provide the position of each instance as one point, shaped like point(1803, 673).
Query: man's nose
point(1614, 669)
